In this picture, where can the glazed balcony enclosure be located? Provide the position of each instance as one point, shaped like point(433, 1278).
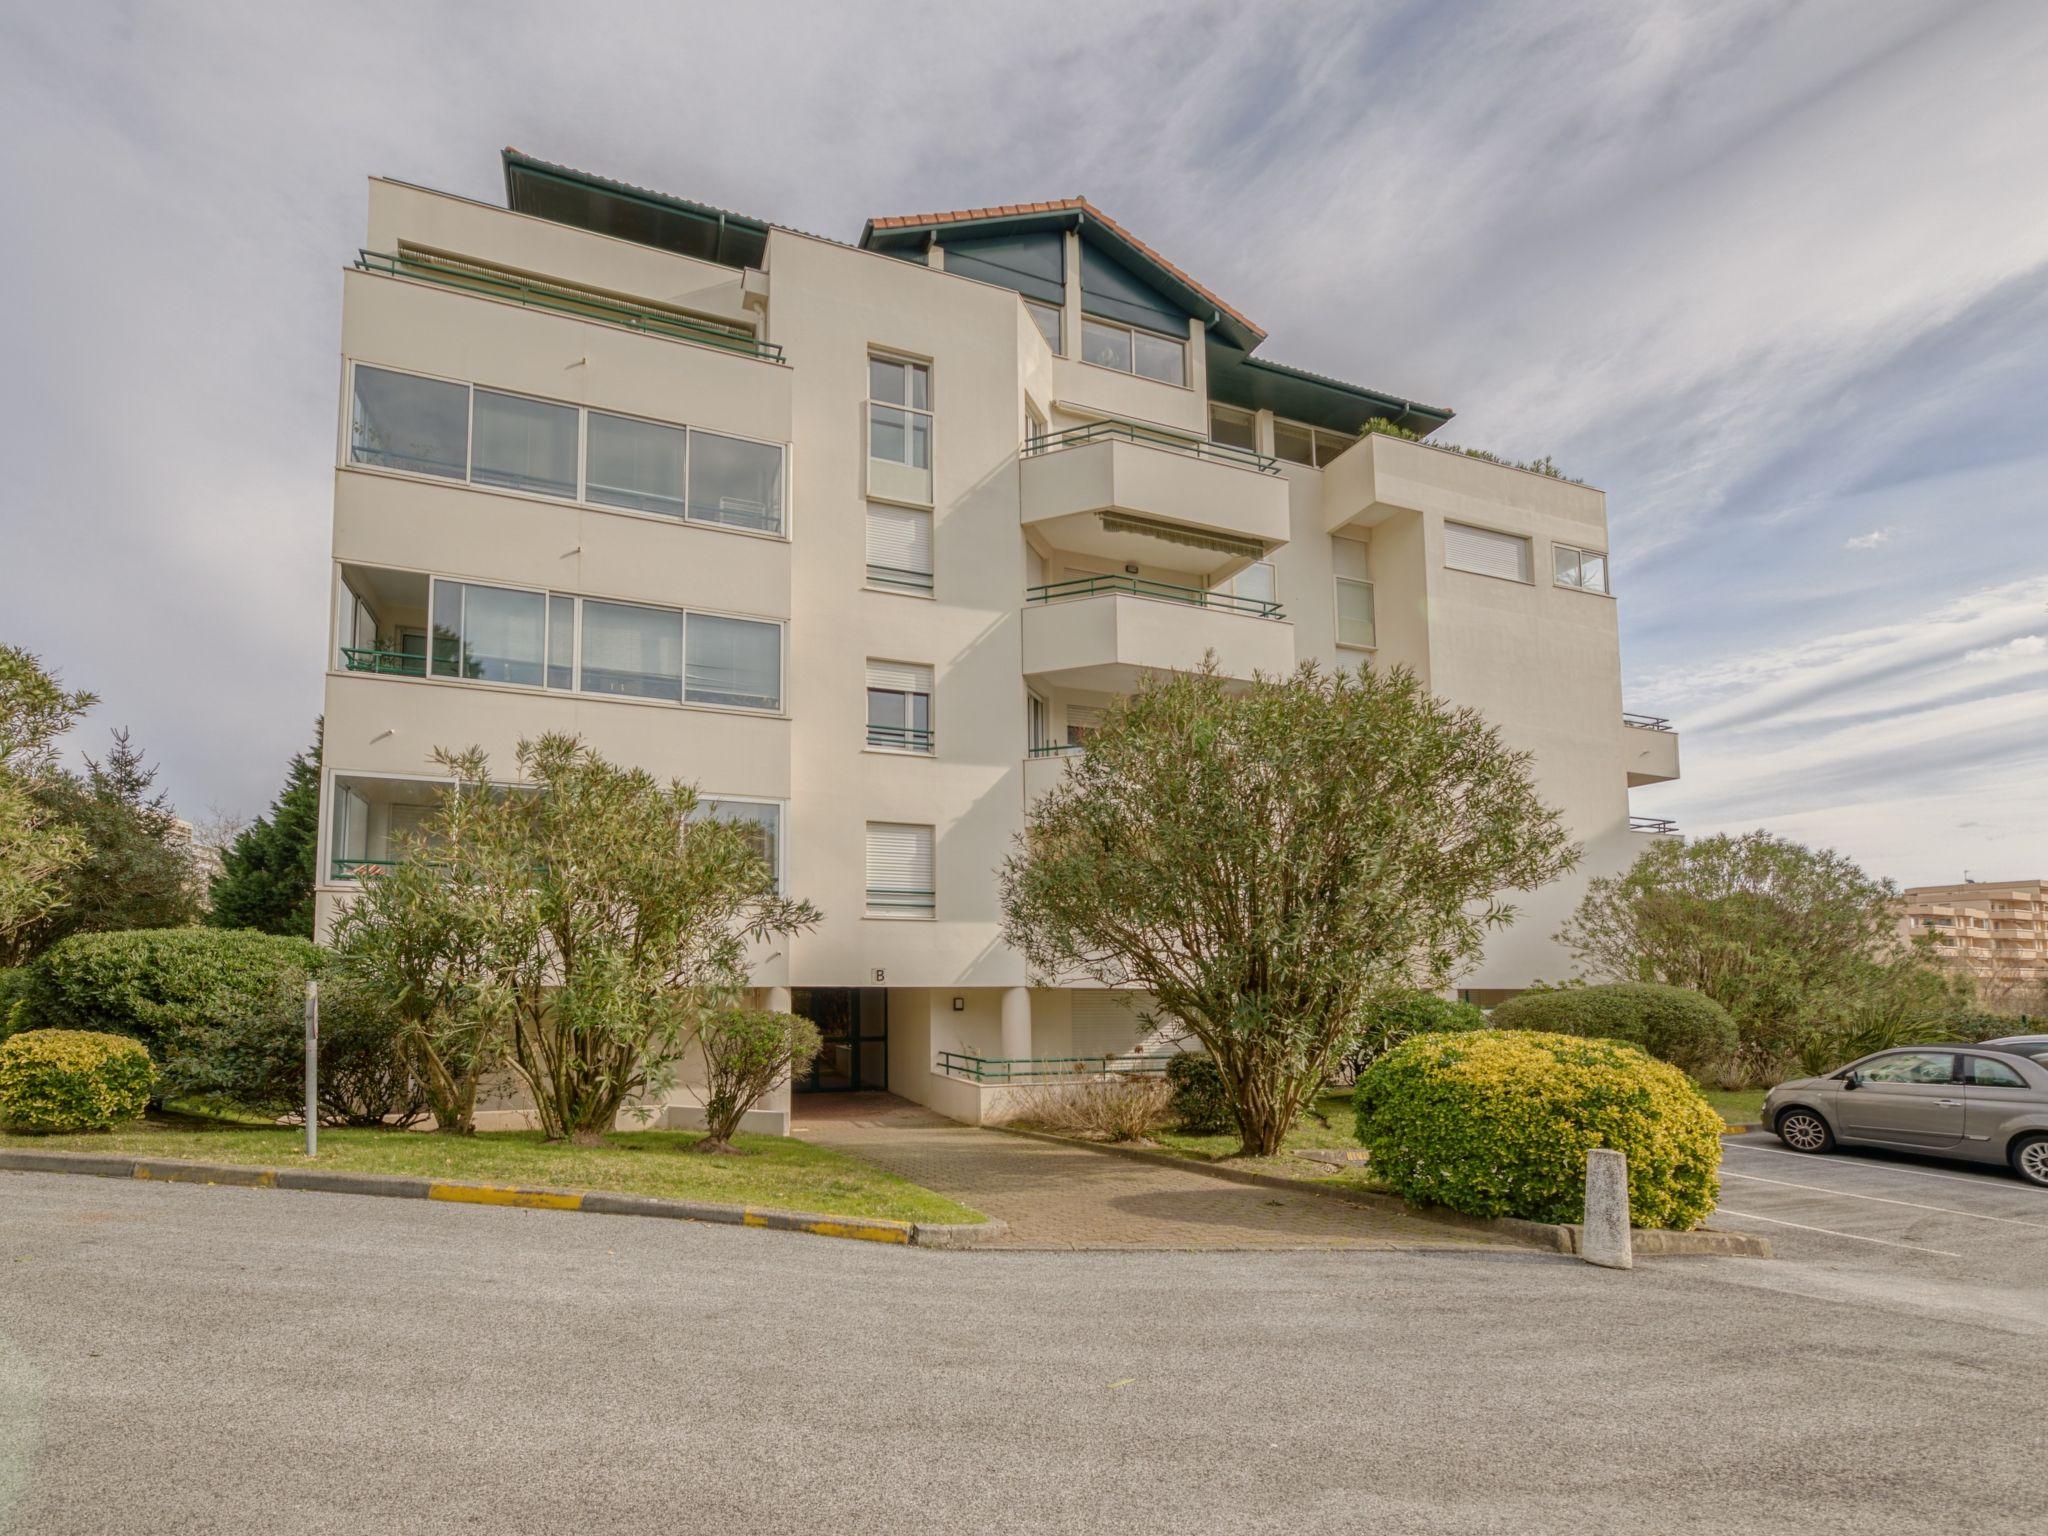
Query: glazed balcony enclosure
point(1123, 492)
point(1104, 633)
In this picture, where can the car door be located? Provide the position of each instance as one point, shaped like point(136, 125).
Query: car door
point(1905, 1099)
point(1993, 1090)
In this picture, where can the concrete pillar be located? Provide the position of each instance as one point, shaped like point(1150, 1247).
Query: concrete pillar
point(778, 999)
point(1016, 1023)
point(1604, 1236)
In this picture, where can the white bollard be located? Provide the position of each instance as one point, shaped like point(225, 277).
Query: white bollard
point(1604, 1236)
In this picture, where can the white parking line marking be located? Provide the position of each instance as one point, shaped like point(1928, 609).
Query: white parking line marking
point(1882, 1242)
point(1946, 1210)
point(1980, 1181)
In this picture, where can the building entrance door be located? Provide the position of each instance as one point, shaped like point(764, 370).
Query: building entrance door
point(854, 1025)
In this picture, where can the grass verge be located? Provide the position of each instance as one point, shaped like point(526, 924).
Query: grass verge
point(773, 1170)
point(1739, 1106)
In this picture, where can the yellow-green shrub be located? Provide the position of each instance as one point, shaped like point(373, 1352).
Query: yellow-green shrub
point(1498, 1123)
point(72, 1080)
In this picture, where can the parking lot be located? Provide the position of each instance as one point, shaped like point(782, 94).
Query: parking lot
point(1975, 1232)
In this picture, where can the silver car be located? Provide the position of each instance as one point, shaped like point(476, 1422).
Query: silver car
point(1986, 1103)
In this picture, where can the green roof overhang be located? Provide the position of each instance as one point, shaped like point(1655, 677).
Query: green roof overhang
point(1254, 384)
point(632, 213)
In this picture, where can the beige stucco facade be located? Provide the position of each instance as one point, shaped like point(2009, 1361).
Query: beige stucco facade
point(1059, 574)
point(1997, 930)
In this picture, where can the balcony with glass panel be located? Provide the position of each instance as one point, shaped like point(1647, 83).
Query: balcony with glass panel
point(1104, 633)
point(1126, 492)
point(377, 823)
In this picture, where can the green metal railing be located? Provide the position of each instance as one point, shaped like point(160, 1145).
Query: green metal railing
point(345, 869)
point(1658, 824)
point(1113, 430)
point(582, 304)
point(1047, 1069)
point(1138, 586)
point(907, 738)
point(900, 901)
point(1058, 749)
point(893, 576)
point(396, 663)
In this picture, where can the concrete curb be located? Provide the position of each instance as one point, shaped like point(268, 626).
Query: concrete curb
point(1729, 1128)
point(942, 1235)
point(1648, 1242)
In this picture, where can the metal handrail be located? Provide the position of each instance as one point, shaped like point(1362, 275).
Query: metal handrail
point(566, 300)
point(395, 663)
point(1652, 824)
point(910, 901)
point(918, 738)
point(345, 869)
point(1152, 437)
point(1058, 749)
point(1138, 586)
point(1646, 722)
point(896, 576)
point(1046, 1069)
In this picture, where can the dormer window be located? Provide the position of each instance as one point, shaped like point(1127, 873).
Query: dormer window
point(1130, 350)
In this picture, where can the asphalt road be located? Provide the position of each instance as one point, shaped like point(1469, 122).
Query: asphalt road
point(183, 1359)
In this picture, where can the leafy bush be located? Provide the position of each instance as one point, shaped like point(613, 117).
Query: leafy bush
point(13, 986)
point(1675, 1024)
point(1124, 1107)
point(1400, 1014)
point(54, 1080)
point(747, 1051)
point(1196, 1093)
point(257, 1057)
point(1498, 1123)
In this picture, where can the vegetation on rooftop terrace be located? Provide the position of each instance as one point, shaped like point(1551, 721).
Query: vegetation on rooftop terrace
point(1542, 466)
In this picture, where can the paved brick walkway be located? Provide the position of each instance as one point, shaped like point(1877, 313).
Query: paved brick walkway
point(1076, 1197)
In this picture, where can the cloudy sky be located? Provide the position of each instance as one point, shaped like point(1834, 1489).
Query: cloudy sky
point(1774, 275)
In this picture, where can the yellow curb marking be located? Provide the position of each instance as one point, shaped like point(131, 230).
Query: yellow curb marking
point(859, 1231)
point(262, 1178)
point(491, 1194)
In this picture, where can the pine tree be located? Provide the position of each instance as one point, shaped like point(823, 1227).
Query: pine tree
point(266, 875)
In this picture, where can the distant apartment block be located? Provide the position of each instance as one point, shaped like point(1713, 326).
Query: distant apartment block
point(1997, 930)
point(861, 538)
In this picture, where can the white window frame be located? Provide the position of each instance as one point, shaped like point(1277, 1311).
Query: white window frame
point(1579, 552)
point(706, 798)
point(929, 411)
point(330, 787)
point(1250, 418)
point(929, 694)
point(1318, 439)
point(582, 497)
point(1134, 332)
point(1059, 314)
point(899, 913)
point(875, 583)
point(1528, 544)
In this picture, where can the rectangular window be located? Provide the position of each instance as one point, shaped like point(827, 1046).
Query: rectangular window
point(1235, 429)
point(1487, 553)
point(1585, 569)
point(1329, 445)
point(1128, 350)
point(733, 661)
point(402, 422)
point(900, 706)
point(899, 430)
point(562, 643)
point(632, 652)
point(491, 634)
point(1081, 724)
point(1256, 582)
point(899, 870)
point(761, 820)
point(735, 482)
point(635, 464)
point(523, 445)
point(1297, 445)
point(1050, 321)
point(899, 547)
point(1350, 560)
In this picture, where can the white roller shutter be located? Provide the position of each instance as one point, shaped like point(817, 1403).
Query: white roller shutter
point(899, 867)
point(899, 676)
point(1487, 553)
point(1106, 1023)
point(899, 539)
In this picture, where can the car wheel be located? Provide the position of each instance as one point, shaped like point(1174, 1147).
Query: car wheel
point(2030, 1159)
point(1805, 1131)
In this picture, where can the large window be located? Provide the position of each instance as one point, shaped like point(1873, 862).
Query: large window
point(523, 445)
point(899, 429)
point(1298, 443)
point(1051, 323)
point(618, 650)
point(492, 634)
point(1487, 553)
point(1348, 558)
point(515, 442)
point(760, 820)
point(403, 422)
point(1585, 569)
point(733, 661)
point(899, 547)
point(1129, 350)
point(899, 706)
point(1255, 583)
point(1233, 428)
point(899, 870)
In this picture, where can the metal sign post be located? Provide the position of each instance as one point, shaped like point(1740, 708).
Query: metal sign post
point(312, 1068)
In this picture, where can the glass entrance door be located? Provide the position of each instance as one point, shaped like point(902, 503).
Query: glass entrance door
point(853, 1023)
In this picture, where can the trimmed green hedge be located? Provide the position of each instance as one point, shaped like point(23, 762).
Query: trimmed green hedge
point(1199, 1103)
point(1424, 1013)
point(55, 1080)
point(1675, 1024)
point(1498, 1123)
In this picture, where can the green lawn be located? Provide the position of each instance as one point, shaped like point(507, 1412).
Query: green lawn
point(774, 1171)
point(1336, 1129)
point(1738, 1106)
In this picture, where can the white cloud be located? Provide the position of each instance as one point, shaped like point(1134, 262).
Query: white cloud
point(2017, 648)
point(1870, 540)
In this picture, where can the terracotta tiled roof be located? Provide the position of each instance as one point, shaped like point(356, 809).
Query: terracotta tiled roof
point(1065, 205)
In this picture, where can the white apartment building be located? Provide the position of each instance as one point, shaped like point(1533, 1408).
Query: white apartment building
point(1997, 930)
point(859, 539)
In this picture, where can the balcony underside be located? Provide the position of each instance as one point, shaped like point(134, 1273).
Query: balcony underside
point(1379, 476)
point(1135, 502)
point(1652, 755)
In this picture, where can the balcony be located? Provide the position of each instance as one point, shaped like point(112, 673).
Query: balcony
point(1046, 766)
point(1651, 746)
point(1379, 476)
point(373, 822)
point(1127, 493)
point(1104, 633)
point(1655, 826)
